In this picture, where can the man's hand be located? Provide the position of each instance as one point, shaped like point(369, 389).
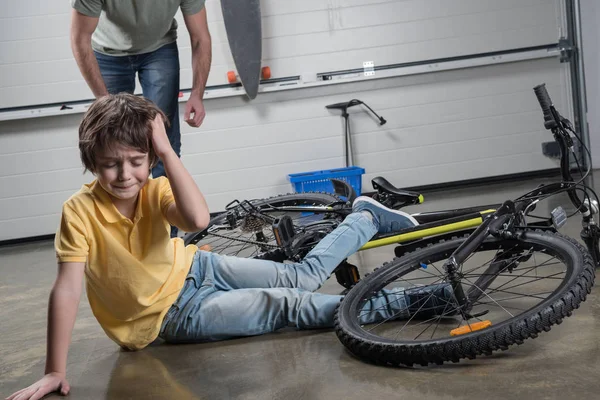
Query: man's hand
point(201, 43)
point(160, 140)
point(194, 105)
point(49, 383)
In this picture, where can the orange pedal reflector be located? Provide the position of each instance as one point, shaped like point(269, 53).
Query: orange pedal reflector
point(477, 326)
point(206, 247)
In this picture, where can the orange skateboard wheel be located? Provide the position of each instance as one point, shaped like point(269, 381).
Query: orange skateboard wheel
point(266, 72)
point(206, 247)
point(231, 78)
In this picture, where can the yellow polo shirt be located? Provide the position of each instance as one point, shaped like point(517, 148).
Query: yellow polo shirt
point(134, 270)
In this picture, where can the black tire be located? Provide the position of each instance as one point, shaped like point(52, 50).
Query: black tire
point(572, 290)
point(269, 249)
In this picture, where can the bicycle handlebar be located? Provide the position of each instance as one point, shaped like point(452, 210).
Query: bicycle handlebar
point(556, 123)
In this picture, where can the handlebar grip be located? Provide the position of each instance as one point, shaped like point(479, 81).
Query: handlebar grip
point(543, 97)
point(546, 104)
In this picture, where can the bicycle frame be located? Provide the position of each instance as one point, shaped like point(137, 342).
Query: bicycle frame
point(434, 223)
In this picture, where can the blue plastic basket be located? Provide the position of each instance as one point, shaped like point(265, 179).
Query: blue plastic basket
point(319, 181)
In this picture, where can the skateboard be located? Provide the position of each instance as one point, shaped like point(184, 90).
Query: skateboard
point(244, 33)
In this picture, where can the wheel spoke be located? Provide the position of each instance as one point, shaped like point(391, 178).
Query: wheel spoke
point(485, 294)
point(524, 283)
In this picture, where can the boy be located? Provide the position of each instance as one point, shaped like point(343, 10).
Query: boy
point(141, 284)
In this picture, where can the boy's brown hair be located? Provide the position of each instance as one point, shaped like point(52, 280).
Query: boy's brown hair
point(121, 118)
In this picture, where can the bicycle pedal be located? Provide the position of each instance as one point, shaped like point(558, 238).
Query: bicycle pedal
point(283, 229)
point(347, 274)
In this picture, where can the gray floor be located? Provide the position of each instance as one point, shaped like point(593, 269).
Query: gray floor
point(562, 363)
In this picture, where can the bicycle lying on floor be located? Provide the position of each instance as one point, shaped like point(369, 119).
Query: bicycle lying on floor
point(503, 277)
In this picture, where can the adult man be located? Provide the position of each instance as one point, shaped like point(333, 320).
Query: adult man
point(112, 40)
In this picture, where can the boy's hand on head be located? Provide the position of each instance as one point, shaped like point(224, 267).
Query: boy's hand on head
point(160, 141)
point(51, 382)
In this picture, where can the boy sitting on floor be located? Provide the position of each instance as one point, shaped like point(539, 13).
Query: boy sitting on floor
point(142, 284)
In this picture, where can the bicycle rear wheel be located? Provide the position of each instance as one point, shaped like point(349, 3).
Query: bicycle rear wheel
point(241, 233)
point(540, 279)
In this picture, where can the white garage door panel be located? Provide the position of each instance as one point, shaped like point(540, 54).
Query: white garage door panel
point(30, 51)
point(452, 153)
point(39, 161)
point(260, 113)
point(404, 10)
point(43, 182)
point(262, 156)
point(488, 106)
point(297, 56)
point(406, 52)
point(260, 178)
point(448, 132)
point(28, 227)
point(42, 94)
point(366, 30)
point(402, 104)
point(320, 37)
point(284, 18)
point(442, 127)
point(465, 170)
point(32, 206)
point(268, 134)
point(30, 73)
point(351, 49)
point(226, 197)
point(415, 32)
point(28, 8)
point(37, 26)
point(39, 134)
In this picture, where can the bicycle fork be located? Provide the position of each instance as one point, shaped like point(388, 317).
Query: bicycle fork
point(491, 226)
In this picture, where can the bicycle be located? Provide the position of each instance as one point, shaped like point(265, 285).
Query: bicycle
point(288, 226)
point(483, 308)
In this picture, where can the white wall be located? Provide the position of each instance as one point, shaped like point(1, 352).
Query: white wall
point(442, 127)
point(299, 38)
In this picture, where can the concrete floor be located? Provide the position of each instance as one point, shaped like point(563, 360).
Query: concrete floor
point(562, 363)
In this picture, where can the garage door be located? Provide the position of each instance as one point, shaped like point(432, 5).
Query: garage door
point(453, 78)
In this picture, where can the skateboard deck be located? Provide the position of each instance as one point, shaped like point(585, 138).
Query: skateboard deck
point(244, 33)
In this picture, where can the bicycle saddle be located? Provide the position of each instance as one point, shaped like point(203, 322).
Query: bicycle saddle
point(382, 185)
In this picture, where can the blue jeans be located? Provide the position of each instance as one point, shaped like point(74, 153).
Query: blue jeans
point(158, 73)
point(226, 297)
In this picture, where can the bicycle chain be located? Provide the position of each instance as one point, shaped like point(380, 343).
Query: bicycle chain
point(245, 241)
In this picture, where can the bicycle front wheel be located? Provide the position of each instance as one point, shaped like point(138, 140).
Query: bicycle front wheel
point(536, 282)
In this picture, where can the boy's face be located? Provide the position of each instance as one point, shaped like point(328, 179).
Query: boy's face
point(122, 171)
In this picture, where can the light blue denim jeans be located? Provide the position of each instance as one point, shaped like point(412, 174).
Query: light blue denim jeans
point(158, 73)
point(226, 297)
